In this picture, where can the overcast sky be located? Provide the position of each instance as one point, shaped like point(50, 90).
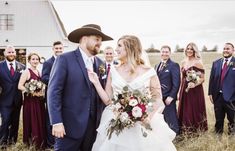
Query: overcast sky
point(158, 22)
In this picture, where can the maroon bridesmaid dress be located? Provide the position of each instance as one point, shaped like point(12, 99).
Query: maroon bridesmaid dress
point(34, 129)
point(192, 108)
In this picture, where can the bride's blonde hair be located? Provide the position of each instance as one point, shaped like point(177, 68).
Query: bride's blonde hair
point(133, 49)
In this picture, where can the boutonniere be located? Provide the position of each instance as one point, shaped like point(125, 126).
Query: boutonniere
point(19, 68)
point(232, 64)
point(164, 65)
point(102, 69)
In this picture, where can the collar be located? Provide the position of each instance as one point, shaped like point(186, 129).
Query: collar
point(164, 61)
point(13, 64)
point(229, 59)
point(84, 56)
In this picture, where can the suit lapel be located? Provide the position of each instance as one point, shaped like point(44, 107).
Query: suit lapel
point(82, 66)
point(7, 71)
point(229, 66)
point(165, 66)
point(220, 67)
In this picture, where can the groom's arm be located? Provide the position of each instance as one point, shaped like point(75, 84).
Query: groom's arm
point(55, 90)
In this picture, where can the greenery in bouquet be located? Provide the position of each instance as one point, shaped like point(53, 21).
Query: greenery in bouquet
point(35, 88)
point(192, 76)
point(130, 107)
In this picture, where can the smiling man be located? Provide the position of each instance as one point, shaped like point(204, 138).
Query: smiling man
point(11, 97)
point(222, 89)
point(169, 76)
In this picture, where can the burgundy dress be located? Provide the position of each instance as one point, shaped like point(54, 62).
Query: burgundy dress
point(192, 108)
point(34, 130)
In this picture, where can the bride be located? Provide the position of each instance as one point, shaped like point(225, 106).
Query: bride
point(137, 76)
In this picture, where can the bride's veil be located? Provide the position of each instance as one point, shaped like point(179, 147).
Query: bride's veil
point(145, 57)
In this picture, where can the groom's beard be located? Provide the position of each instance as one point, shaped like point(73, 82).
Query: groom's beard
point(94, 50)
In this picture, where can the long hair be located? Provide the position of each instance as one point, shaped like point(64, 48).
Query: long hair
point(197, 54)
point(133, 48)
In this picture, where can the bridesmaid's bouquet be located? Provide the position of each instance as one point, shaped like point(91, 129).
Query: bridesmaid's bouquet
point(130, 107)
point(192, 76)
point(35, 88)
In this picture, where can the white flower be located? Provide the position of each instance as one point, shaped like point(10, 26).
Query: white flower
point(137, 112)
point(118, 105)
point(124, 117)
point(133, 102)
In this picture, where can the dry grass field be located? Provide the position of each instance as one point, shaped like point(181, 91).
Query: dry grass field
point(205, 141)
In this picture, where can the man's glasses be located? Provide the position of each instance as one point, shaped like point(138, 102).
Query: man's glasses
point(226, 48)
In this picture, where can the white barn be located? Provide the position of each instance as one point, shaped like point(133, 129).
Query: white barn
point(31, 26)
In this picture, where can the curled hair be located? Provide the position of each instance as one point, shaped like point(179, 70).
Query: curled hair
point(34, 54)
point(133, 48)
point(195, 50)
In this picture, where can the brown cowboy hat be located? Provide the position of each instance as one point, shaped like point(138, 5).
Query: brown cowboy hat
point(86, 30)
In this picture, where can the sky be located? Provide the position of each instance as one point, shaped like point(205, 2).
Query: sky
point(156, 23)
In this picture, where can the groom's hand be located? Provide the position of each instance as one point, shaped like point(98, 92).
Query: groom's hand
point(58, 130)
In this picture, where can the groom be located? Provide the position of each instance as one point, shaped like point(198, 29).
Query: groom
point(74, 106)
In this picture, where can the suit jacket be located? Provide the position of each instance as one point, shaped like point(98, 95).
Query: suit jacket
point(169, 78)
point(69, 93)
point(10, 95)
point(228, 87)
point(46, 69)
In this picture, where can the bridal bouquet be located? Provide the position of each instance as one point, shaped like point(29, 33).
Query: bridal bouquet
point(35, 88)
point(192, 76)
point(130, 107)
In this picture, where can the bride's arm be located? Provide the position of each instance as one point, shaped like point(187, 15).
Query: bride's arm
point(156, 93)
point(106, 94)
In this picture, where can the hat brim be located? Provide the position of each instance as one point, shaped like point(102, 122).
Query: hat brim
point(76, 35)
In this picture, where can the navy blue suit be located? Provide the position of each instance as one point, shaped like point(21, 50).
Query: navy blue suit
point(223, 94)
point(169, 78)
point(46, 70)
point(10, 102)
point(73, 101)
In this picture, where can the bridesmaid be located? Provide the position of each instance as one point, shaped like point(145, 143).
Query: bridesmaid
point(192, 108)
point(34, 130)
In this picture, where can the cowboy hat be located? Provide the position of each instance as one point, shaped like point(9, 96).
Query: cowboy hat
point(86, 30)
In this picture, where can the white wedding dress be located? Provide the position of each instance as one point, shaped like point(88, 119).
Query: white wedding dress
point(158, 139)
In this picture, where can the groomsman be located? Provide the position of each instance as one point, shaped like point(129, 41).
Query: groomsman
point(169, 76)
point(222, 89)
point(10, 97)
point(108, 55)
point(74, 105)
point(58, 49)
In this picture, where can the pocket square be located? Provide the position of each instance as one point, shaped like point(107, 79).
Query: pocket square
point(104, 77)
point(166, 70)
point(233, 68)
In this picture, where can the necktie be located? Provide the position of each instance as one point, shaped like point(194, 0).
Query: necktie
point(89, 64)
point(12, 69)
point(108, 69)
point(224, 69)
point(161, 66)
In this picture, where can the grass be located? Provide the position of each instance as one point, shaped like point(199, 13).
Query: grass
point(205, 141)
